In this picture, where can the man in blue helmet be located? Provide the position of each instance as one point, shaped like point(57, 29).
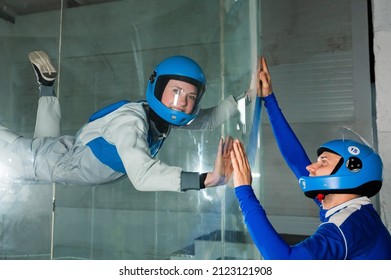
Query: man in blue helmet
point(123, 138)
point(341, 181)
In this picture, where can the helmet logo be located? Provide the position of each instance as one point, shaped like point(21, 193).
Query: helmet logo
point(354, 164)
point(302, 183)
point(152, 77)
point(354, 150)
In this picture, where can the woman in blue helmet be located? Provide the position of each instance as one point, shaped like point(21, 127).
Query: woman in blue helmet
point(123, 138)
point(341, 181)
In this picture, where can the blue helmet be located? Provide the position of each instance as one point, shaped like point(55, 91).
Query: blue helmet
point(360, 171)
point(177, 68)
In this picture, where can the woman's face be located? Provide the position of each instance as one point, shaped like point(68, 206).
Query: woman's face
point(180, 96)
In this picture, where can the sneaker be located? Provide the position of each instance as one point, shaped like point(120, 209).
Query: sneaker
point(44, 70)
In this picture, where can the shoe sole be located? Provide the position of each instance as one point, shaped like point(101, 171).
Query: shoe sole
point(42, 61)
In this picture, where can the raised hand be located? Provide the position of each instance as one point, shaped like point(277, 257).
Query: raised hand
point(265, 82)
point(241, 167)
point(222, 171)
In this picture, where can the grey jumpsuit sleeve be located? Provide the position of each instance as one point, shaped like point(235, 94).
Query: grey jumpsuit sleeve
point(127, 129)
point(210, 118)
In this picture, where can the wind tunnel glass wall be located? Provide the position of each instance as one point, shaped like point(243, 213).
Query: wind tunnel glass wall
point(105, 52)
point(25, 207)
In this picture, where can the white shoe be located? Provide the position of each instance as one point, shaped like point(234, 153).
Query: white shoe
point(44, 70)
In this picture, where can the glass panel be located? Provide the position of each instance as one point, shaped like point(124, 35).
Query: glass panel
point(25, 207)
point(108, 51)
point(104, 51)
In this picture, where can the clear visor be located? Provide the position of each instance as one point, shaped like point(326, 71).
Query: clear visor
point(182, 96)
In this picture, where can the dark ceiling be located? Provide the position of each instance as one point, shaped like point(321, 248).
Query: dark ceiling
point(11, 9)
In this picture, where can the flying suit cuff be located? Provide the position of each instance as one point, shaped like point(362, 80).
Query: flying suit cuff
point(192, 181)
